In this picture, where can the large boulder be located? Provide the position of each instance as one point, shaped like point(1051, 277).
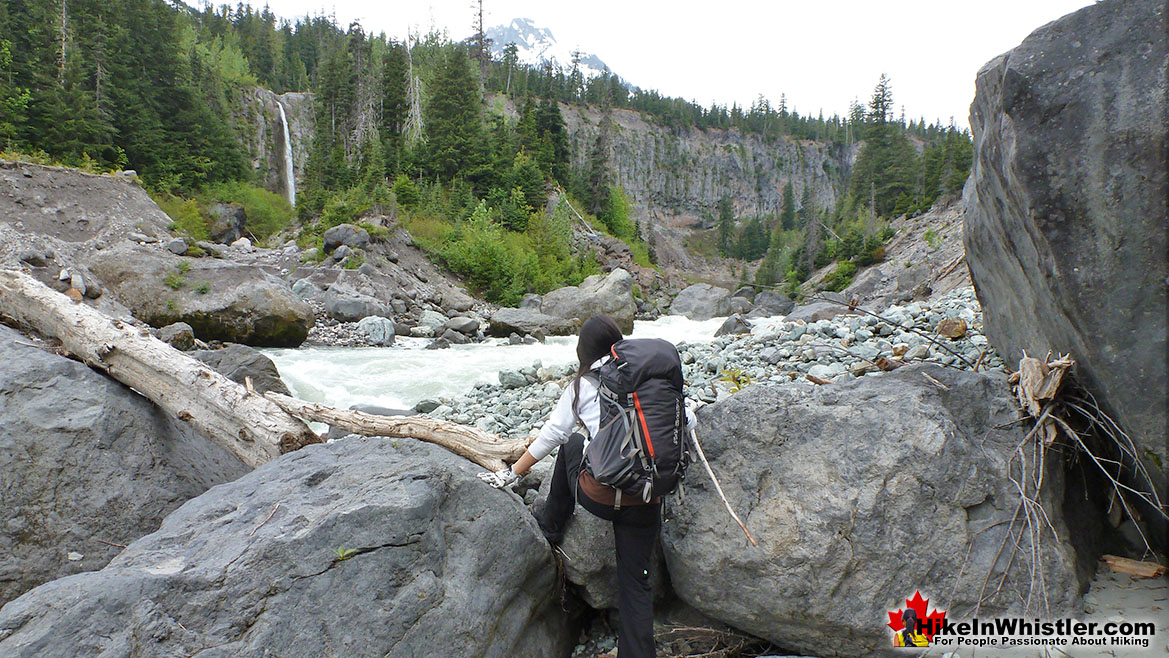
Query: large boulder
point(221, 300)
point(349, 235)
point(597, 295)
point(860, 494)
point(345, 304)
point(84, 459)
point(240, 362)
point(506, 321)
point(227, 222)
point(1066, 223)
point(770, 302)
point(364, 547)
point(702, 301)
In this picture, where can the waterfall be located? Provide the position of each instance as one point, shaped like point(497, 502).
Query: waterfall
point(289, 178)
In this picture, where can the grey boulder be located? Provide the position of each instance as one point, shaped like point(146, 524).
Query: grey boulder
point(365, 547)
point(347, 305)
point(610, 295)
point(734, 325)
point(1065, 229)
point(228, 221)
point(220, 299)
point(506, 321)
point(240, 362)
point(379, 330)
point(349, 235)
point(702, 301)
point(85, 458)
point(179, 335)
point(771, 303)
point(466, 326)
point(860, 494)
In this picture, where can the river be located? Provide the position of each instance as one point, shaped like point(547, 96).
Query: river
point(401, 376)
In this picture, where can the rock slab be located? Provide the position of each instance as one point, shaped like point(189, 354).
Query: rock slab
point(83, 458)
point(610, 295)
point(859, 494)
point(1065, 230)
point(363, 547)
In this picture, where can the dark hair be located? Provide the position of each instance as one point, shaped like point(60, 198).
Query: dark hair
point(909, 618)
point(597, 336)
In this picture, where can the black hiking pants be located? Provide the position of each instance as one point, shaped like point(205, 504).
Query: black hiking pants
point(635, 528)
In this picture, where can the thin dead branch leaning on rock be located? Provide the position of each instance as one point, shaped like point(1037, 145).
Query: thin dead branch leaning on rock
point(1042, 391)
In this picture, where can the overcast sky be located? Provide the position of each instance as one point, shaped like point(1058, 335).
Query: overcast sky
point(820, 53)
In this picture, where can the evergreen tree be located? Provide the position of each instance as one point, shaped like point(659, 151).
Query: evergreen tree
point(884, 170)
point(787, 217)
point(454, 121)
point(726, 225)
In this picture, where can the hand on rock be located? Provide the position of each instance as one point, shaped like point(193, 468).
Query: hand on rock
point(500, 479)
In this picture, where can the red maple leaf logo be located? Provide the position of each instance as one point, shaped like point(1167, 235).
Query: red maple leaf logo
point(932, 621)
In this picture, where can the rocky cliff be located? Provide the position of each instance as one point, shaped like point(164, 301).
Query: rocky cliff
point(1066, 222)
point(258, 119)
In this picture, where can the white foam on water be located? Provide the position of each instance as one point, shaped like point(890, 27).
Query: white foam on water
point(400, 376)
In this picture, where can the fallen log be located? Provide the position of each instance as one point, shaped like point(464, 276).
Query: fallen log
point(480, 447)
point(248, 425)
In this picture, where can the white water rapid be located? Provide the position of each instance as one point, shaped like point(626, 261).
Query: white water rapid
point(289, 177)
point(402, 375)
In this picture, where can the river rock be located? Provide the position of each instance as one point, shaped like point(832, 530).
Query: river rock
point(178, 246)
point(364, 547)
point(85, 458)
point(453, 337)
point(610, 295)
point(466, 326)
point(379, 330)
point(770, 302)
point(512, 379)
point(304, 289)
point(240, 362)
point(1065, 230)
point(432, 319)
point(506, 321)
point(734, 325)
point(347, 305)
point(220, 299)
point(228, 221)
point(860, 493)
point(179, 335)
point(531, 302)
point(702, 301)
point(349, 235)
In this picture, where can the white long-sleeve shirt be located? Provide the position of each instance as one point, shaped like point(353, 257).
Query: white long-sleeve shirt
point(562, 422)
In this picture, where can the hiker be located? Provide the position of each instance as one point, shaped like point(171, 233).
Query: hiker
point(636, 522)
point(909, 636)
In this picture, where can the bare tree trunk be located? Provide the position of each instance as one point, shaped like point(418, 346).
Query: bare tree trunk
point(478, 446)
point(248, 425)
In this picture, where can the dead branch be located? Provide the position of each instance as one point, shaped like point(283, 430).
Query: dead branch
point(486, 450)
point(719, 489)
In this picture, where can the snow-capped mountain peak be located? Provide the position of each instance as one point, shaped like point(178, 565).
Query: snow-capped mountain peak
point(536, 45)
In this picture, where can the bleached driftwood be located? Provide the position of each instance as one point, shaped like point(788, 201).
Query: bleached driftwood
point(248, 425)
point(474, 444)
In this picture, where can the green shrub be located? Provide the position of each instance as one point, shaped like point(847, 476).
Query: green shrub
point(174, 280)
point(406, 192)
point(841, 276)
point(267, 213)
point(932, 238)
point(185, 215)
point(203, 288)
